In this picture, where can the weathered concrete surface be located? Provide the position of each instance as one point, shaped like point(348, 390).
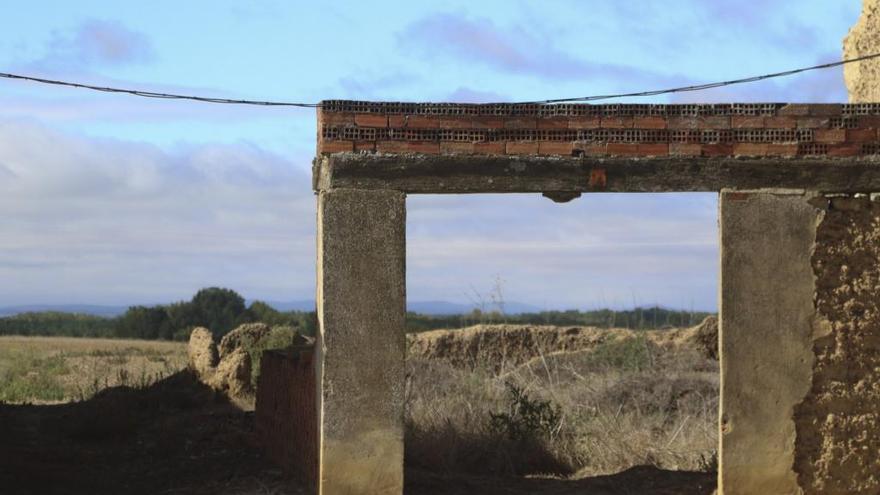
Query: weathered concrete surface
point(838, 423)
point(863, 39)
point(766, 337)
point(361, 308)
point(457, 174)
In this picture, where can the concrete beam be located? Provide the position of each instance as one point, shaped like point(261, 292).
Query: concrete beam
point(446, 174)
point(767, 315)
point(361, 309)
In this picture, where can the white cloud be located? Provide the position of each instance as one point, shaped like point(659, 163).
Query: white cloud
point(99, 220)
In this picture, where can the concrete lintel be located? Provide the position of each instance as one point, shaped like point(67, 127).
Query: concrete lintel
point(766, 334)
point(445, 174)
point(361, 309)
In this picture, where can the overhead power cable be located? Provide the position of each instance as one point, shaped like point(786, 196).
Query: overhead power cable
point(230, 101)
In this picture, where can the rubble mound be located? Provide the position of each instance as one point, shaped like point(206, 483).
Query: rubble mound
point(202, 352)
point(233, 374)
point(246, 335)
point(504, 346)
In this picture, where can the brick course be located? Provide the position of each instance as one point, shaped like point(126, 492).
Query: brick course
point(716, 130)
point(286, 412)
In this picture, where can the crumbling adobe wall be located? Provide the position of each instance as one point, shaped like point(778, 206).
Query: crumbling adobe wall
point(863, 39)
point(837, 449)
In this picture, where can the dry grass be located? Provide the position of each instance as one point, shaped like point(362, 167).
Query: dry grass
point(625, 403)
point(61, 369)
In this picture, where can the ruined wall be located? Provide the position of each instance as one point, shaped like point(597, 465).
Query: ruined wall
point(719, 130)
point(863, 39)
point(286, 419)
point(838, 423)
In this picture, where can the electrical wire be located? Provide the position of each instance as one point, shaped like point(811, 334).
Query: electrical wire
point(207, 99)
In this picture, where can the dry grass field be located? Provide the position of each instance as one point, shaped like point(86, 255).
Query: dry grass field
point(612, 401)
point(504, 409)
point(45, 370)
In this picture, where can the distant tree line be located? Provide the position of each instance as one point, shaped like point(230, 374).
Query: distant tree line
point(638, 318)
point(221, 310)
point(218, 309)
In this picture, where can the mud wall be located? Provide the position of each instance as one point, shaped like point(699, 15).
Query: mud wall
point(286, 414)
point(837, 449)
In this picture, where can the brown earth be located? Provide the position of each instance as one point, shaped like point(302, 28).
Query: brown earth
point(181, 437)
point(177, 436)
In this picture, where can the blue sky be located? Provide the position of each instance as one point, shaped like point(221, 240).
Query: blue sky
point(110, 199)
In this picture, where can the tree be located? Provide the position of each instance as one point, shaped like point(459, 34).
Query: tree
point(141, 322)
point(220, 310)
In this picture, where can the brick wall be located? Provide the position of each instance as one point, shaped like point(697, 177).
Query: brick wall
point(286, 414)
point(722, 130)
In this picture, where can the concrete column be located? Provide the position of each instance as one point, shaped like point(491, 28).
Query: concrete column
point(767, 287)
point(361, 310)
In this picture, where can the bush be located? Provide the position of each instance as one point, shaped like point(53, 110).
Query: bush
point(526, 418)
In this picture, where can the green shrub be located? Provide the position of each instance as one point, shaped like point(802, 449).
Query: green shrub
point(526, 418)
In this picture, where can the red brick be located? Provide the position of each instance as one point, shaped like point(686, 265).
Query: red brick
point(649, 122)
point(371, 120)
point(582, 122)
point(490, 148)
point(683, 149)
point(428, 122)
point(869, 121)
point(598, 178)
point(781, 122)
point(418, 122)
point(447, 122)
point(335, 118)
point(845, 149)
point(780, 149)
point(591, 149)
point(861, 135)
point(520, 123)
point(738, 196)
point(829, 135)
point(616, 122)
point(812, 122)
point(455, 147)
point(555, 148)
point(553, 123)
point(826, 109)
point(487, 122)
point(365, 146)
point(336, 146)
point(711, 122)
point(718, 149)
point(653, 149)
point(747, 122)
point(426, 147)
point(397, 121)
point(750, 149)
point(623, 149)
point(794, 109)
point(522, 148)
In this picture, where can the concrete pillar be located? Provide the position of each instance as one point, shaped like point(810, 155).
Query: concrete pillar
point(361, 310)
point(767, 287)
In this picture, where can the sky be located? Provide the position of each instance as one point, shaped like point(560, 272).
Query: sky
point(111, 199)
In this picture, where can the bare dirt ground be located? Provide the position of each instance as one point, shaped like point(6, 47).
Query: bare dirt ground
point(179, 437)
point(174, 437)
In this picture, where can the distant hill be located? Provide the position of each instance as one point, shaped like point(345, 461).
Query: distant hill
point(423, 307)
point(86, 309)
